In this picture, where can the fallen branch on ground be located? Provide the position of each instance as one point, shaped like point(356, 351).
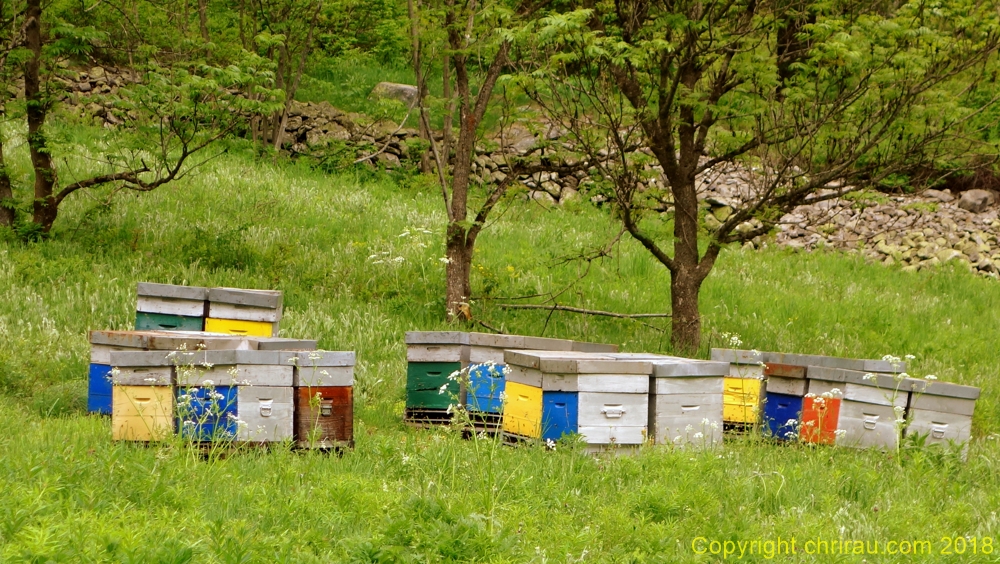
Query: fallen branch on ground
point(584, 311)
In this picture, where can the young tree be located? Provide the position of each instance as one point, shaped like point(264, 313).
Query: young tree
point(172, 118)
point(476, 39)
point(812, 99)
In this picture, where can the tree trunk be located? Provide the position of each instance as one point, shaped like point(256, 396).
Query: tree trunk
point(457, 274)
point(203, 20)
point(6, 193)
point(685, 277)
point(685, 333)
point(44, 206)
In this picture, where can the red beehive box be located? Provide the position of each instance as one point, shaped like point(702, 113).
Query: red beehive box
point(819, 420)
point(324, 416)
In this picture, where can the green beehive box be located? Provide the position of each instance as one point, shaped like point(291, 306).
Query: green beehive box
point(166, 322)
point(424, 381)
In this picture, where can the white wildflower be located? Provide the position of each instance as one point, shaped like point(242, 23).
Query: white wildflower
point(442, 389)
point(445, 260)
point(839, 433)
point(550, 444)
point(698, 436)
point(930, 377)
point(315, 355)
point(208, 383)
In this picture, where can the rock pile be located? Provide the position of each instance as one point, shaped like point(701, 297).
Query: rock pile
point(915, 232)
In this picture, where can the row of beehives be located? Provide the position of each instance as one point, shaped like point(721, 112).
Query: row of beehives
point(851, 402)
point(628, 399)
point(219, 310)
point(209, 387)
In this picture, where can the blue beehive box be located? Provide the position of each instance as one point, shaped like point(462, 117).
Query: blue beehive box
point(486, 383)
point(782, 413)
point(560, 414)
point(99, 389)
point(785, 387)
point(207, 413)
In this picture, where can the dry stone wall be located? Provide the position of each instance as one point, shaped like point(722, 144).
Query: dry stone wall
point(913, 232)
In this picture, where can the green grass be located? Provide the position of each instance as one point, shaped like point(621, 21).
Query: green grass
point(333, 245)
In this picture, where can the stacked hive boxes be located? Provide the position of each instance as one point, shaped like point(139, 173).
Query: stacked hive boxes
point(686, 401)
point(792, 395)
point(256, 396)
point(783, 407)
point(432, 357)
point(551, 393)
point(244, 312)
point(324, 399)
point(942, 412)
point(486, 375)
point(170, 308)
point(103, 343)
point(743, 388)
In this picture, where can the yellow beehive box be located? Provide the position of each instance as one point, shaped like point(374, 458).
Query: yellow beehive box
point(142, 413)
point(741, 400)
point(240, 327)
point(522, 410)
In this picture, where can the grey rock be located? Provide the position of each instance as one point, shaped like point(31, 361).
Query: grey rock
point(938, 195)
point(405, 93)
point(976, 200)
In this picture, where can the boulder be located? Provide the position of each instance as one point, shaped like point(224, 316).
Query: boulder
point(943, 197)
point(405, 93)
point(976, 200)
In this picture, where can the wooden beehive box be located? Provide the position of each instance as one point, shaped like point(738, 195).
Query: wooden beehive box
point(432, 357)
point(941, 411)
point(686, 402)
point(244, 312)
point(324, 398)
point(612, 395)
point(867, 408)
point(744, 389)
point(169, 307)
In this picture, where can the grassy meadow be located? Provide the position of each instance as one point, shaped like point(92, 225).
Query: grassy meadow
point(357, 255)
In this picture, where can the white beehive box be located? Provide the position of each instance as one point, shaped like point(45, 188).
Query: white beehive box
point(321, 368)
point(941, 411)
point(856, 364)
point(267, 413)
point(188, 301)
point(142, 368)
point(686, 402)
point(235, 368)
point(437, 346)
point(245, 305)
point(612, 394)
point(868, 408)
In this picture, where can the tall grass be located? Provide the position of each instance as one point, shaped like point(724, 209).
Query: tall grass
point(358, 257)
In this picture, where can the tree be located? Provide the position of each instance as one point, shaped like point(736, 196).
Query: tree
point(475, 40)
point(816, 99)
point(171, 120)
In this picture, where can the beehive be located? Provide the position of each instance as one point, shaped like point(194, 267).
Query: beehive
point(324, 399)
point(432, 357)
point(611, 396)
point(686, 401)
point(169, 307)
point(266, 413)
point(786, 386)
point(867, 410)
point(486, 380)
point(143, 399)
point(142, 413)
point(941, 412)
point(244, 312)
point(817, 416)
point(743, 388)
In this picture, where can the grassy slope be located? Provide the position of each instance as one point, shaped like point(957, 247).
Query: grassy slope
point(330, 244)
